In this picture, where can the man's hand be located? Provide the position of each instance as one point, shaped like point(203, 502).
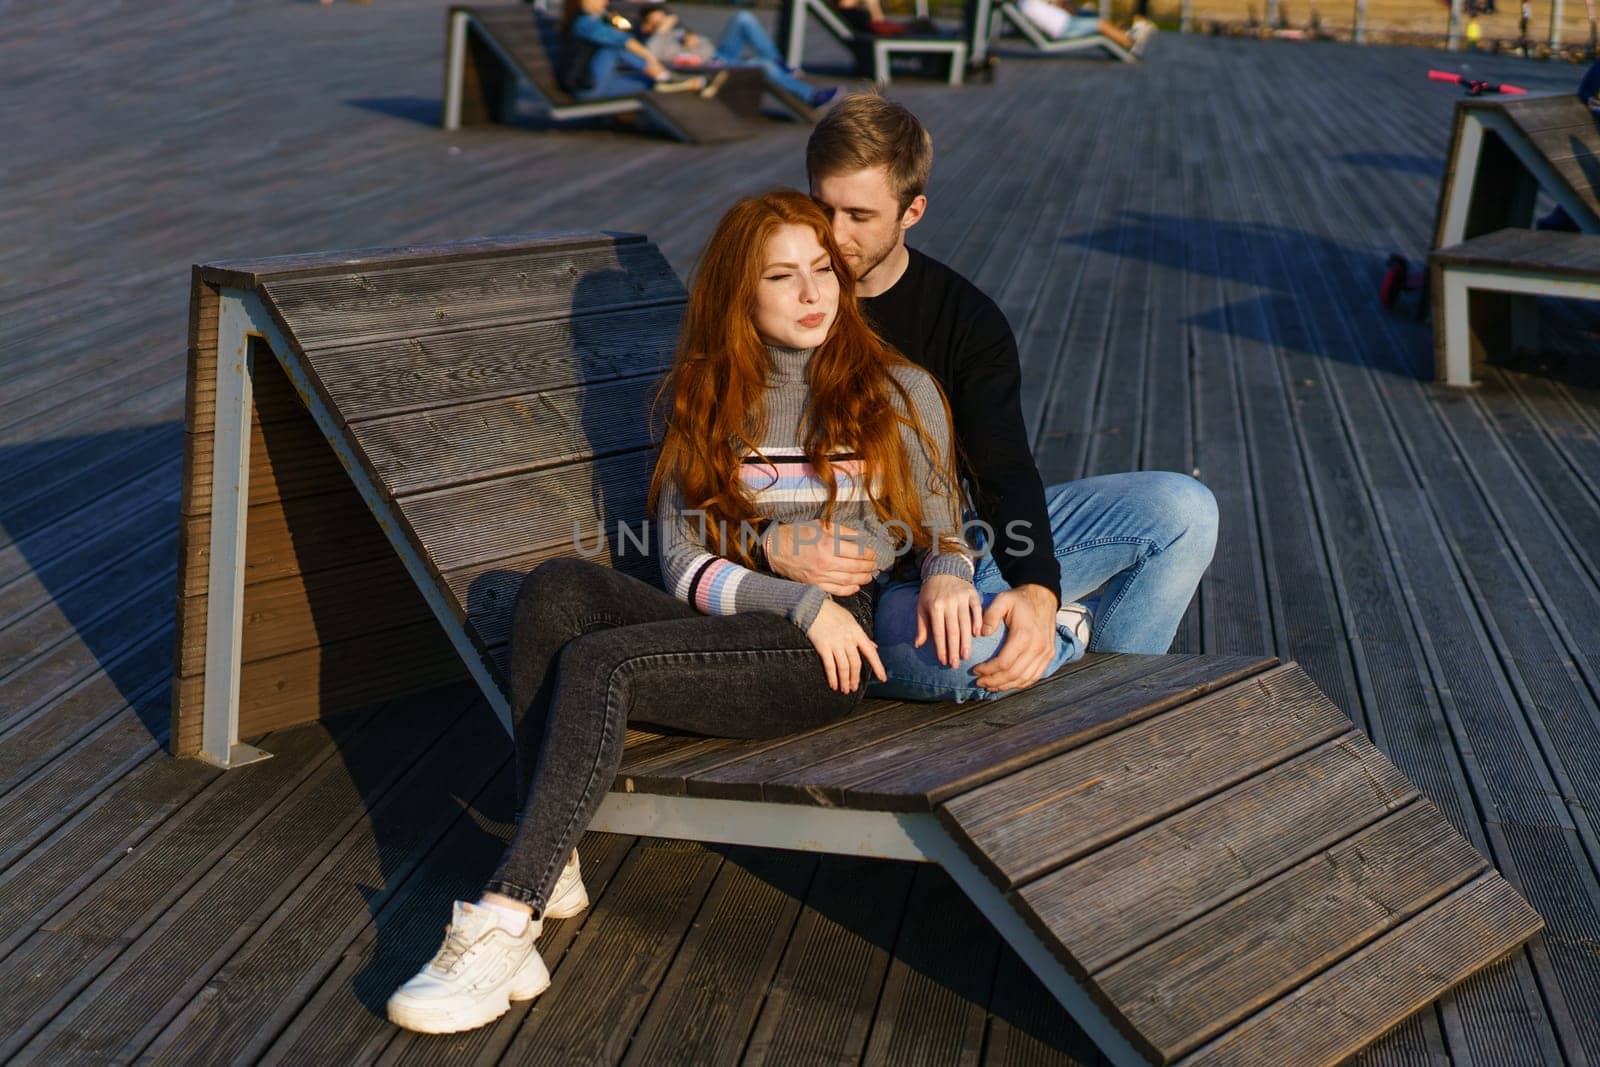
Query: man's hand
point(829, 557)
point(1029, 612)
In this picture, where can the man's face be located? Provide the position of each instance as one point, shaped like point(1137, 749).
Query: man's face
point(865, 215)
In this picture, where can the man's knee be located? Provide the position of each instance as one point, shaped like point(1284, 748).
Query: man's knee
point(1167, 507)
point(1190, 510)
point(915, 672)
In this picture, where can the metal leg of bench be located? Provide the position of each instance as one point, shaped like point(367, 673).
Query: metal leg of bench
point(1457, 330)
point(882, 835)
point(230, 500)
point(982, 30)
point(455, 69)
point(881, 74)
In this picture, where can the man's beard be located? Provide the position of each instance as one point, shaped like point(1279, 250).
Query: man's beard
point(871, 262)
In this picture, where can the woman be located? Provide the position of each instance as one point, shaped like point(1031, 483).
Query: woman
point(600, 59)
point(785, 408)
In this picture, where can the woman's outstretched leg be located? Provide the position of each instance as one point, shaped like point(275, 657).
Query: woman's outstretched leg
point(748, 675)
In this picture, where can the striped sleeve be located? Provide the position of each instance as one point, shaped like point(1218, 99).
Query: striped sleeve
point(717, 586)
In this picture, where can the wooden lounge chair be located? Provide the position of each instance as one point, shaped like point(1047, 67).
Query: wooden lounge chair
point(873, 52)
point(1009, 11)
point(488, 50)
point(1488, 267)
point(1200, 856)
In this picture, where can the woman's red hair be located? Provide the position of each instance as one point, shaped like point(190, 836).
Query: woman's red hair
point(716, 392)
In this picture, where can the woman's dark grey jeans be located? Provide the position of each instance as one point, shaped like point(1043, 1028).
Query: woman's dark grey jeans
point(593, 650)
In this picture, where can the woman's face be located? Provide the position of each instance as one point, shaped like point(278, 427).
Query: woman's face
point(797, 296)
point(593, 7)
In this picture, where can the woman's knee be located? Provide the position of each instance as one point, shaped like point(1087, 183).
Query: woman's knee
point(558, 594)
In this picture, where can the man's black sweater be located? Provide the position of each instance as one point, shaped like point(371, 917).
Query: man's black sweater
point(945, 324)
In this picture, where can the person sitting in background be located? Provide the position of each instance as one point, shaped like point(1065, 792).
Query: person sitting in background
point(868, 17)
point(743, 43)
point(1062, 21)
point(600, 58)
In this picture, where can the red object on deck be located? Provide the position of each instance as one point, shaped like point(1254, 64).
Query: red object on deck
point(1475, 87)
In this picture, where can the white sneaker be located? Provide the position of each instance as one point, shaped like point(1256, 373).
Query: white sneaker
point(473, 978)
point(568, 897)
point(1075, 620)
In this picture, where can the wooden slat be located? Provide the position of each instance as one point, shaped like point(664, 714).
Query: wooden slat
point(940, 775)
point(1537, 113)
point(1566, 255)
point(1196, 983)
point(1347, 1007)
point(1059, 810)
point(1126, 895)
point(674, 764)
point(804, 769)
point(305, 536)
point(400, 302)
point(289, 457)
point(495, 438)
point(414, 373)
point(247, 273)
point(486, 521)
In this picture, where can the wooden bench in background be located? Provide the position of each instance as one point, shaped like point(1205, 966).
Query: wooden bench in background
point(1487, 266)
point(1200, 856)
point(490, 50)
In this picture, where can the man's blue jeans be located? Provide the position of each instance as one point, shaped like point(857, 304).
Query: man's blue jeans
point(1147, 537)
point(743, 33)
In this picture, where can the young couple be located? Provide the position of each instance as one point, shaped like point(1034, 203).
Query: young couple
point(792, 408)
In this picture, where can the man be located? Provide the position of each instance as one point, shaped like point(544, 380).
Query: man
point(1144, 537)
point(743, 36)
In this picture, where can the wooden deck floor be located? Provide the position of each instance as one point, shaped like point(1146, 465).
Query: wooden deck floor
point(1189, 252)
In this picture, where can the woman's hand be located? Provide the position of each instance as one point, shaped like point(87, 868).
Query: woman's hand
point(842, 644)
point(949, 609)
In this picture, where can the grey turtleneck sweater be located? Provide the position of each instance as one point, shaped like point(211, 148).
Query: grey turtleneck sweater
point(787, 491)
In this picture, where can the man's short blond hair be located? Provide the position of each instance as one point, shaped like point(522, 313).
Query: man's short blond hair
point(865, 130)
